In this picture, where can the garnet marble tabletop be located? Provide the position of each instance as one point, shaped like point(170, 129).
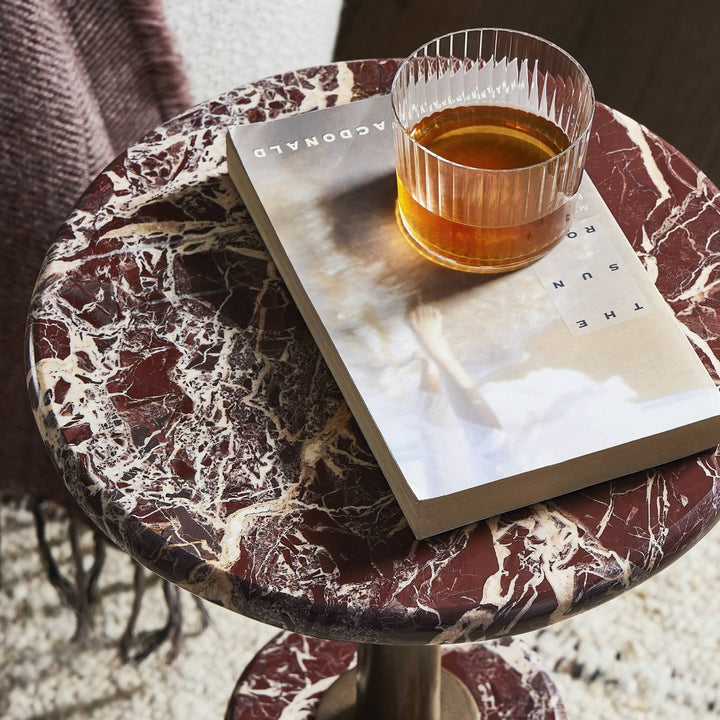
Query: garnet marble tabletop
point(193, 418)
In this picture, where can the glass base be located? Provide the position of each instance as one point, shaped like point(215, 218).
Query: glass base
point(472, 265)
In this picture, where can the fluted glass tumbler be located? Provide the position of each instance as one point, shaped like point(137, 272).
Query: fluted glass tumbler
point(491, 130)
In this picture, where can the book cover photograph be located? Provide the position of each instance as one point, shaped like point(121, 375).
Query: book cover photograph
point(477, 393)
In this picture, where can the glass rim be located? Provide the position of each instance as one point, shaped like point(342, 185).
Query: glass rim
point(570, 148)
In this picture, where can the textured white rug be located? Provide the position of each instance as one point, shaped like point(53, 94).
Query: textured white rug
point(226, 43)
point(651, 653)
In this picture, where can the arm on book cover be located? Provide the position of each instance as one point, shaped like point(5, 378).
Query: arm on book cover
point(464, 396)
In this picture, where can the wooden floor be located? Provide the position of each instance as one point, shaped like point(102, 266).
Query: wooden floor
point(655, 60)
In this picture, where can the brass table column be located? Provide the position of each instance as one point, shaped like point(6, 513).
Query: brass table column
point(397, 682)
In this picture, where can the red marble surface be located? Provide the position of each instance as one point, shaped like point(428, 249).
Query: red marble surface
point(289, 676)
point(191, 415)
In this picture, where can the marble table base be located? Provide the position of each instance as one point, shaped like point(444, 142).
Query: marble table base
point(295, 677)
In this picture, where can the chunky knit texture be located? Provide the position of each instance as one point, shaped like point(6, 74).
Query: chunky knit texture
point(81, 79)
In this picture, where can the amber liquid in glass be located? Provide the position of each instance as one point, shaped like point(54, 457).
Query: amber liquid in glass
point(494, 138)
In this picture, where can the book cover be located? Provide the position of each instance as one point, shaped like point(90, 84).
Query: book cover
point(477, 394)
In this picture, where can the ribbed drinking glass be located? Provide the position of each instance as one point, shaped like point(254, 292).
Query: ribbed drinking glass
point(491, 130)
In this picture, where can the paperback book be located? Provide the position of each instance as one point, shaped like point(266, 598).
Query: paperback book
point(477, 394)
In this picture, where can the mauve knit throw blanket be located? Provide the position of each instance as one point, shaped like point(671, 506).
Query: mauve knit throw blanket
point(79, 81)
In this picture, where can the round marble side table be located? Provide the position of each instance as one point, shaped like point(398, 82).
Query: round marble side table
point(192, 417)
